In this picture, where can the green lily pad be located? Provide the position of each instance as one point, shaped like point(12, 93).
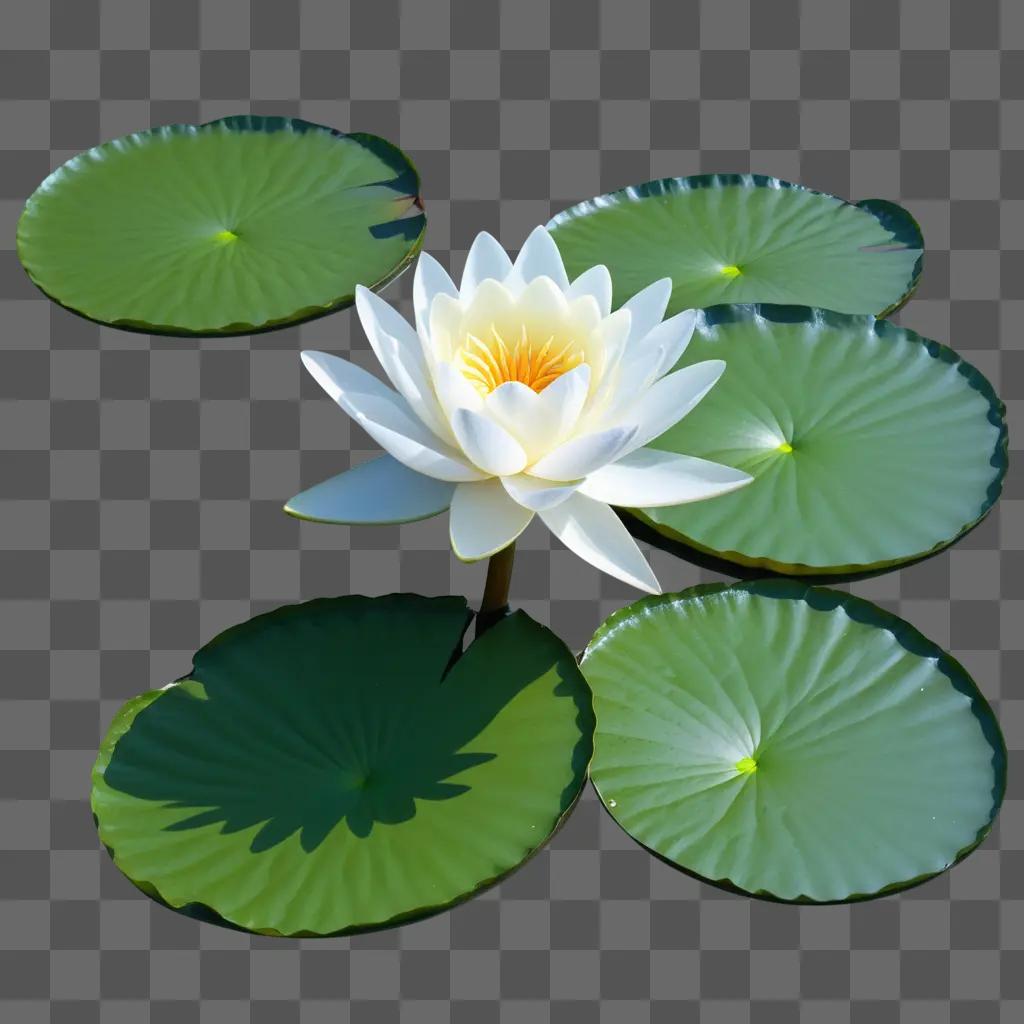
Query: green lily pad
point(240, 225)
point(790, 742)
point(870, 445)
point(737, 238)
point(341, 765)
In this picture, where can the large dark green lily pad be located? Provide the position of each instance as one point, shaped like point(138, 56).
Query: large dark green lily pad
point(340, 765)
point(869, 445)
point(240, 225)
point(746, 238)
point(790, 742)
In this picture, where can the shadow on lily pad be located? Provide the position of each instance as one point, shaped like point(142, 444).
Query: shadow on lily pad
point(338, 710)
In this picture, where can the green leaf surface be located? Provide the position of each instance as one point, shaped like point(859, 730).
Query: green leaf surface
point(898, 445)
point(240, 225)
point(340, 765)
point(738, 238)
point(790, 742)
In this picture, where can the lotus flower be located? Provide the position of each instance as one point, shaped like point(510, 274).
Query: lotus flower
point(517, 395)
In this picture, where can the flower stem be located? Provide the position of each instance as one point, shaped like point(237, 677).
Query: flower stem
point(494, 603)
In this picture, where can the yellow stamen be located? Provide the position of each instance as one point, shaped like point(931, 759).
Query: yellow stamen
point(746, 765)
point(785, 448)
point(482, 358)
point(487, 364)
point(225, 236)
point(730, 271)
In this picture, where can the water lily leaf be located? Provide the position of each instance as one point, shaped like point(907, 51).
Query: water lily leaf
point(790, 742)
point(870, 445)
point(240, 225)
point(746, 238)
point(340, 765)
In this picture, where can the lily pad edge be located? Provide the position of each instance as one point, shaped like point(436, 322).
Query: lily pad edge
point(870, 612)
point(896, 219)
point(243, 122)
point(203, 912)
point(885, 329)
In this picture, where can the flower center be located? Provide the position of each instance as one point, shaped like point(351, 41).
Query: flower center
point(489, 362)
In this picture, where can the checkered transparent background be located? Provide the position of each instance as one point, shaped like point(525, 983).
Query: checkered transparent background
point(142, 480)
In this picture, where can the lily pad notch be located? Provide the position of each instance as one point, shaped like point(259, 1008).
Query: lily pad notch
point(343, 765)
point(237, 226)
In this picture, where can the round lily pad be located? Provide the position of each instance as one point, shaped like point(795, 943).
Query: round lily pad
point(342, 765)
point(236, 226)
point(736, 238)
point(790, 742)
point(869, 445)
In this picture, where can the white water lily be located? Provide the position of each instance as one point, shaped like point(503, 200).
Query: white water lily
point(520, 394)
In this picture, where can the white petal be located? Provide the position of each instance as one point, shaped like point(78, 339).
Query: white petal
point(597, 283)
point(387, 417)
point(560, 403)
point(610, 338)
point(491, 302)
point(648, 478)
point(514, 405)
point(542, 300)
point(408, 372)
point(673, 336)
point(668, 400)
point(484, 520)
point(487, 445)
point(379, 491)
point(400, 352)
point(486, 259)
point(593, 531)
point(642, 363)
point(665, 343)
point(609, 343)
point(618, 392)
point(536, 494)
point(445, 317)
point(431, 279)
point(648, 307)
point(376, 315)
point(539, 257)
point(582, 455)
point(454, 391)
point(542, 421)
